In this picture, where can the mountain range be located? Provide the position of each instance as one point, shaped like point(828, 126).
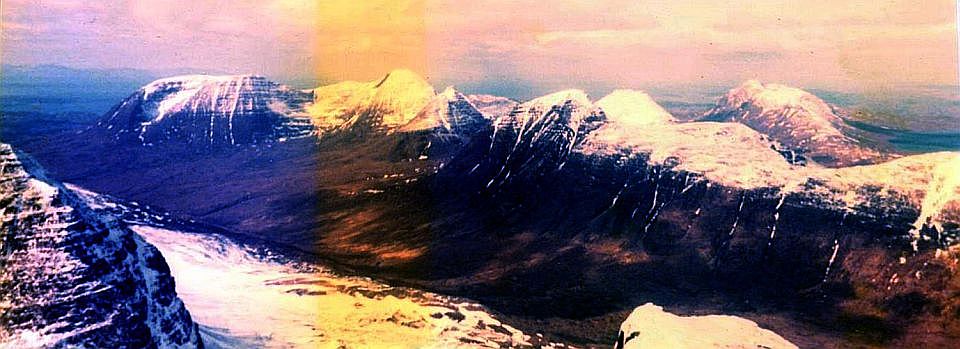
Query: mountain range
point(768, 205)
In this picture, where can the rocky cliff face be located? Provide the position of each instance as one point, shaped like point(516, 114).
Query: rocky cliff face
point(70, 277)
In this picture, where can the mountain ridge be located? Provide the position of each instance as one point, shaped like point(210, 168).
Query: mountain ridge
point(743, 153)
point(560, 186)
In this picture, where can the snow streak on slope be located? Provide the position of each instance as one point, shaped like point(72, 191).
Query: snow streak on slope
point(247, 297)
point(241, 109)
point(649, 326)
point(564, 117)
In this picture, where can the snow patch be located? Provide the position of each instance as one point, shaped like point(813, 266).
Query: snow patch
point(649, 326)
point(631, 109)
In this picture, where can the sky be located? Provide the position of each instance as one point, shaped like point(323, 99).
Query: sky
point(507, 47)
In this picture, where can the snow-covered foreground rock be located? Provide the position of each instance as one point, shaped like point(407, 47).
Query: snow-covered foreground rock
point(649, 326)
point(250, 298)
point(71, 277)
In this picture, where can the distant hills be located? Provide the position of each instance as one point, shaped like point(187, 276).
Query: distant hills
point(57, 89)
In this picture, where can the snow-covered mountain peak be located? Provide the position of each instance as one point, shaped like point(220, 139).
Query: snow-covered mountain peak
point(560, 98)
point(398, 79)
point(450, 93)
point(630, 108)
point(797, 119)
point(184, 92)
point(449, 111)
point(571, 107)
point(405, 91)
point(492, 106)
point(547, 129)
point(776, 96)
point(635, 121)
point(229, 109)
point(193, 82)
point(391, 102)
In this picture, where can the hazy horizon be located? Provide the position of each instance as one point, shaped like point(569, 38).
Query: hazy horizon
point(508, 48)
point(664, 92)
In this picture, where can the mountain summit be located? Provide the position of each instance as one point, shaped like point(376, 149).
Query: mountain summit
point(214, 110)
point(449, 112)
point(629, 108)
point(795, 118)
point(382, 105)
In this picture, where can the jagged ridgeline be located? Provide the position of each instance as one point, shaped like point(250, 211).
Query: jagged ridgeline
point(768, 197)
point(245, 109)
point(72, 278)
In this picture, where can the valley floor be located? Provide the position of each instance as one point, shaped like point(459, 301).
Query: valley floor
point(251, 298)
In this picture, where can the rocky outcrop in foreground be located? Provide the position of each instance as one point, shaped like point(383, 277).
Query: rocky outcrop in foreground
point(72, 278)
